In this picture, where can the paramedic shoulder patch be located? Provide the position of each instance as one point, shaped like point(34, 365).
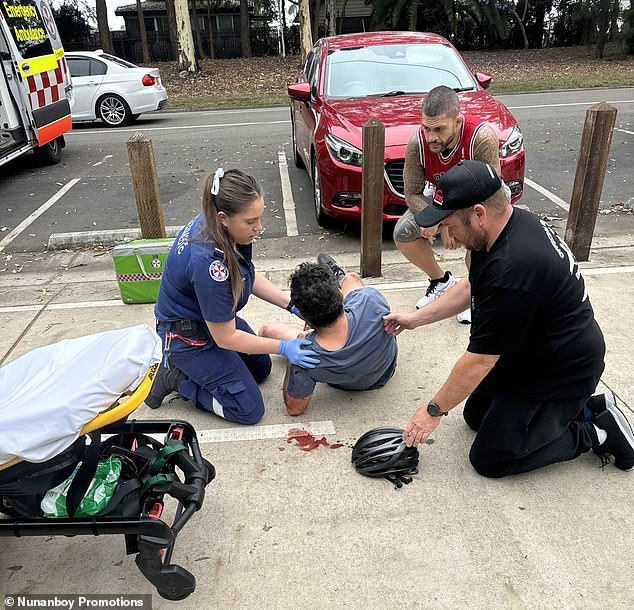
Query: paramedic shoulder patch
point(218, 271)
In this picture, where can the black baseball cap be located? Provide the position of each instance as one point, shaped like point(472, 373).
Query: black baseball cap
point(464, 185)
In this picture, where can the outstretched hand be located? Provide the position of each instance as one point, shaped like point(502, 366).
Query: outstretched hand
point(398, 321)
point(420, 427)
point(298, 352)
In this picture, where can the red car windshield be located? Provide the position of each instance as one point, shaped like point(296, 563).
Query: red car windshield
point(394, 69)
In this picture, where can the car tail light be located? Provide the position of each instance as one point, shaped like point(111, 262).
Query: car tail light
point(148, 80)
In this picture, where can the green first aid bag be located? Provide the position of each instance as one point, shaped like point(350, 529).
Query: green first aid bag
point(100, 492)
point(139, 266)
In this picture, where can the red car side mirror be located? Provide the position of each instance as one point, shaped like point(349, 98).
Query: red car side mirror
point(299, 91)
point(484, 79)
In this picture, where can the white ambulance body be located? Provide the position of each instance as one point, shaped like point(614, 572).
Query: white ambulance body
point(35, 85)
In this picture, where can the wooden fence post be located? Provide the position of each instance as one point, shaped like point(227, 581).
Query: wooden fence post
point(591, 168)
point(145, 182)
point(372, 198)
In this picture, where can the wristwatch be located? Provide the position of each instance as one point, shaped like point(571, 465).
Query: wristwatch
point(434, 410)
point(289, 307)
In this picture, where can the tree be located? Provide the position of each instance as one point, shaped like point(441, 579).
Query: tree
point(71, 21)
point(331, 17)
point(245, 28)
point(211, 30)
point(186, 54)
point(105, 38)
point(193, 15)
point(173, 30)
point(144, 47)
point(305, 34)
point(315, 7)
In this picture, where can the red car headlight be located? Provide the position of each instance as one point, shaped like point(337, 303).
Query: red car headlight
point(513, 143)
point(342, 151)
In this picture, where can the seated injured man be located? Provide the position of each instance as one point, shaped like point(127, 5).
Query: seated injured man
point(345, 325)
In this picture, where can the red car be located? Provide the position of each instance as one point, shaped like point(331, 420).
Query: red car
point(351, 78)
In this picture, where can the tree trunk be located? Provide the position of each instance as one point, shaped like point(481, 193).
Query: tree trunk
point(193, 17)
point(343, 14)
point(282, 26)
point(245, 29)
point(144, 47)
point(171, 22)
point(315, 18)
point(331, 18)
point(212, 54)
point(105, 39)
point(520, 23)
point(186, 53)
point(305, 35)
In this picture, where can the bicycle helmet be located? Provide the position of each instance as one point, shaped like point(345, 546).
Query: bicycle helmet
point(382, 453)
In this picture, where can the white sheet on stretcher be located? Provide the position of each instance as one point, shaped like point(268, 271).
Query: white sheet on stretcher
point(47, 395)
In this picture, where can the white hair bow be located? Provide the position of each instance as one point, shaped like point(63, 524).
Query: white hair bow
point(215, 187)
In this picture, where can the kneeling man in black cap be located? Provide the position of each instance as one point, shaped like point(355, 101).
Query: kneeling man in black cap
point(535, 352)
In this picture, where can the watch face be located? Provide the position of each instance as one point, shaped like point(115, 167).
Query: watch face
point(433, 410)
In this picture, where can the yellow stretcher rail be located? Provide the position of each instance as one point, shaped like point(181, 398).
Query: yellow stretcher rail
point(114, 413)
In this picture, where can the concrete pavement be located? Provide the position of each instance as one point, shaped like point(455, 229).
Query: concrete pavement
point(282, 527)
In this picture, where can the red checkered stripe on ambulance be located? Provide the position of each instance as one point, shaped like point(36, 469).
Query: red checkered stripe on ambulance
point(138, 277)
point(48, 87)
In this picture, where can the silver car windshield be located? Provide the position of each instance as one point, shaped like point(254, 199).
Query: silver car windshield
point(394, 69)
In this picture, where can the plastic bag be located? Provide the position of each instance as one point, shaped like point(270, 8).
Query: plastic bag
point(100, 491)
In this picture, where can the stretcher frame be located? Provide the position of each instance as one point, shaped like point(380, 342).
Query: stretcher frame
point(147, 535)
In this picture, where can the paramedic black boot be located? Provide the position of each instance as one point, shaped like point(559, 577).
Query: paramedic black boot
point(166, 382)
point(325, 260)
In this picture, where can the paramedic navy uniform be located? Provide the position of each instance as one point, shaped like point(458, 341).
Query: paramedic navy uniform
point(196, 287)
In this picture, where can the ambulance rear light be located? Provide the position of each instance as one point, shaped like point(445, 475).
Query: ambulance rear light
point(148, 80)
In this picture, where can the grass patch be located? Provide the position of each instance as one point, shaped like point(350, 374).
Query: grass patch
point(565, 81)
point(227, 100)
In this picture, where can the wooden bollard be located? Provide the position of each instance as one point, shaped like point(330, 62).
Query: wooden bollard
point(591, 167)
point(372, 198)
point(145, 182)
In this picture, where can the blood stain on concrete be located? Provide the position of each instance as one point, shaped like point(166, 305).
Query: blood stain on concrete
point(307, 442)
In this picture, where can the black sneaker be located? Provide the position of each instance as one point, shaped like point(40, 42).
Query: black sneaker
point(620, 440)
point(166, 382)
point(599, 402)
point(325, 260)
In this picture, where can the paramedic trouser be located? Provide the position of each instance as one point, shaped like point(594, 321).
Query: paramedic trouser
point(221, 381)
point(516, 436)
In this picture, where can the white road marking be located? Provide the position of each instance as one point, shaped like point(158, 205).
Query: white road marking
point(569, 104)
point(176, 127)
point(546, 193)
point(54, 306)
point(243, 110)
point(287, 196)
point(100, 162)
point(417, 285)
point(624, 131)
point(33, 217)
point(383, 287)
point(257, 433)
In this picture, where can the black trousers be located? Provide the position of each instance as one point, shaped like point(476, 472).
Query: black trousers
point(515, 437)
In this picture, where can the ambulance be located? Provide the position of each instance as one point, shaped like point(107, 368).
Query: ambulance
point(35, 84)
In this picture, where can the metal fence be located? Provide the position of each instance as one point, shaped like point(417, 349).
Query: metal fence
point(127, 45)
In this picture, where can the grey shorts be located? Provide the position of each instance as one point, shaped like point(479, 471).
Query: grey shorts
point(407, 229)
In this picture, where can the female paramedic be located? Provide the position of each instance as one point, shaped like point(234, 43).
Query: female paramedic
point(211, 355)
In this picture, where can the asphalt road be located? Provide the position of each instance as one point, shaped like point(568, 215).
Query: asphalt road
point(98, 192)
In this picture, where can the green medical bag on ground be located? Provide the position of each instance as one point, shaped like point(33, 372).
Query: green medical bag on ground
point(139, 266)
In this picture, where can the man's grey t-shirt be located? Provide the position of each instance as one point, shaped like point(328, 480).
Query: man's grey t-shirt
point(366, 361)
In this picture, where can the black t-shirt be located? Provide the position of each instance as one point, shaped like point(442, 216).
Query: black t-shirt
point(530, 306)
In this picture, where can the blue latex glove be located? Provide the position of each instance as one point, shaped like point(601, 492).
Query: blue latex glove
point(298, 352)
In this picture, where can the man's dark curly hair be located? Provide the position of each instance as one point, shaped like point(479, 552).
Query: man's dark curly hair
point(315, 292)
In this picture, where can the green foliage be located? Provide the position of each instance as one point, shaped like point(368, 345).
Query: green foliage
point(71, 21)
